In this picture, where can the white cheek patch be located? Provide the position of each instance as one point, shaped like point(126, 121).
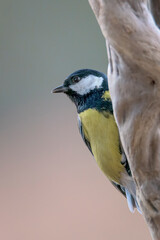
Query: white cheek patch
point(87, 84)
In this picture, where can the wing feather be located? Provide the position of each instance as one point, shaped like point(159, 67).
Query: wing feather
point(83, 136)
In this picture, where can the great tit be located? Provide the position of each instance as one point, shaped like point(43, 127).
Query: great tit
point(88, 90)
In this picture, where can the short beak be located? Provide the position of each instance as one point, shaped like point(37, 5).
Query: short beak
point(60, 89)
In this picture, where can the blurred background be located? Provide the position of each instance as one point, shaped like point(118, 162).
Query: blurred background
point(50, 186)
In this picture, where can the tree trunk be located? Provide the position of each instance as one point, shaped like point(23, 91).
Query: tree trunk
point(133, 44)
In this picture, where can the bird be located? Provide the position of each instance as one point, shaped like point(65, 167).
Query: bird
point(88, 90)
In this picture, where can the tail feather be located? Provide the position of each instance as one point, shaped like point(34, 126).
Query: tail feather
point(130, 191)
point(132, 202)
point(129, 194)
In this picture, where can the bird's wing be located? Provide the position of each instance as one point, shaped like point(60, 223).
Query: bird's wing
point(83, 136)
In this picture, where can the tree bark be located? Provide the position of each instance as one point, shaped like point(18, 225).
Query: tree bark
point(133, 45)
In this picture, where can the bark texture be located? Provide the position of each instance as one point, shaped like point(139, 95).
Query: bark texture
point(133, 45)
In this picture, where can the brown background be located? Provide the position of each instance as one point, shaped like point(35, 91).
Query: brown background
point(50, 186)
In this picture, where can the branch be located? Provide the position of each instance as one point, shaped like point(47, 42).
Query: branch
point(133, 44)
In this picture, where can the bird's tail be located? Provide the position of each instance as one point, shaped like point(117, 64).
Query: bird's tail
point(132, 202)
point(130, 191)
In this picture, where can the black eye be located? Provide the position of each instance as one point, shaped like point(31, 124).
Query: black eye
point(75, 79)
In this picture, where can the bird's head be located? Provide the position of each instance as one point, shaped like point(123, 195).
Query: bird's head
point(84, 85)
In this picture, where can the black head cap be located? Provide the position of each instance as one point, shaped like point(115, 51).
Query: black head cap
point(84, 79)
point(85, 86)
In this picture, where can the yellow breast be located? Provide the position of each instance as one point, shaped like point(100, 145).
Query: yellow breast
point(101, 131)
